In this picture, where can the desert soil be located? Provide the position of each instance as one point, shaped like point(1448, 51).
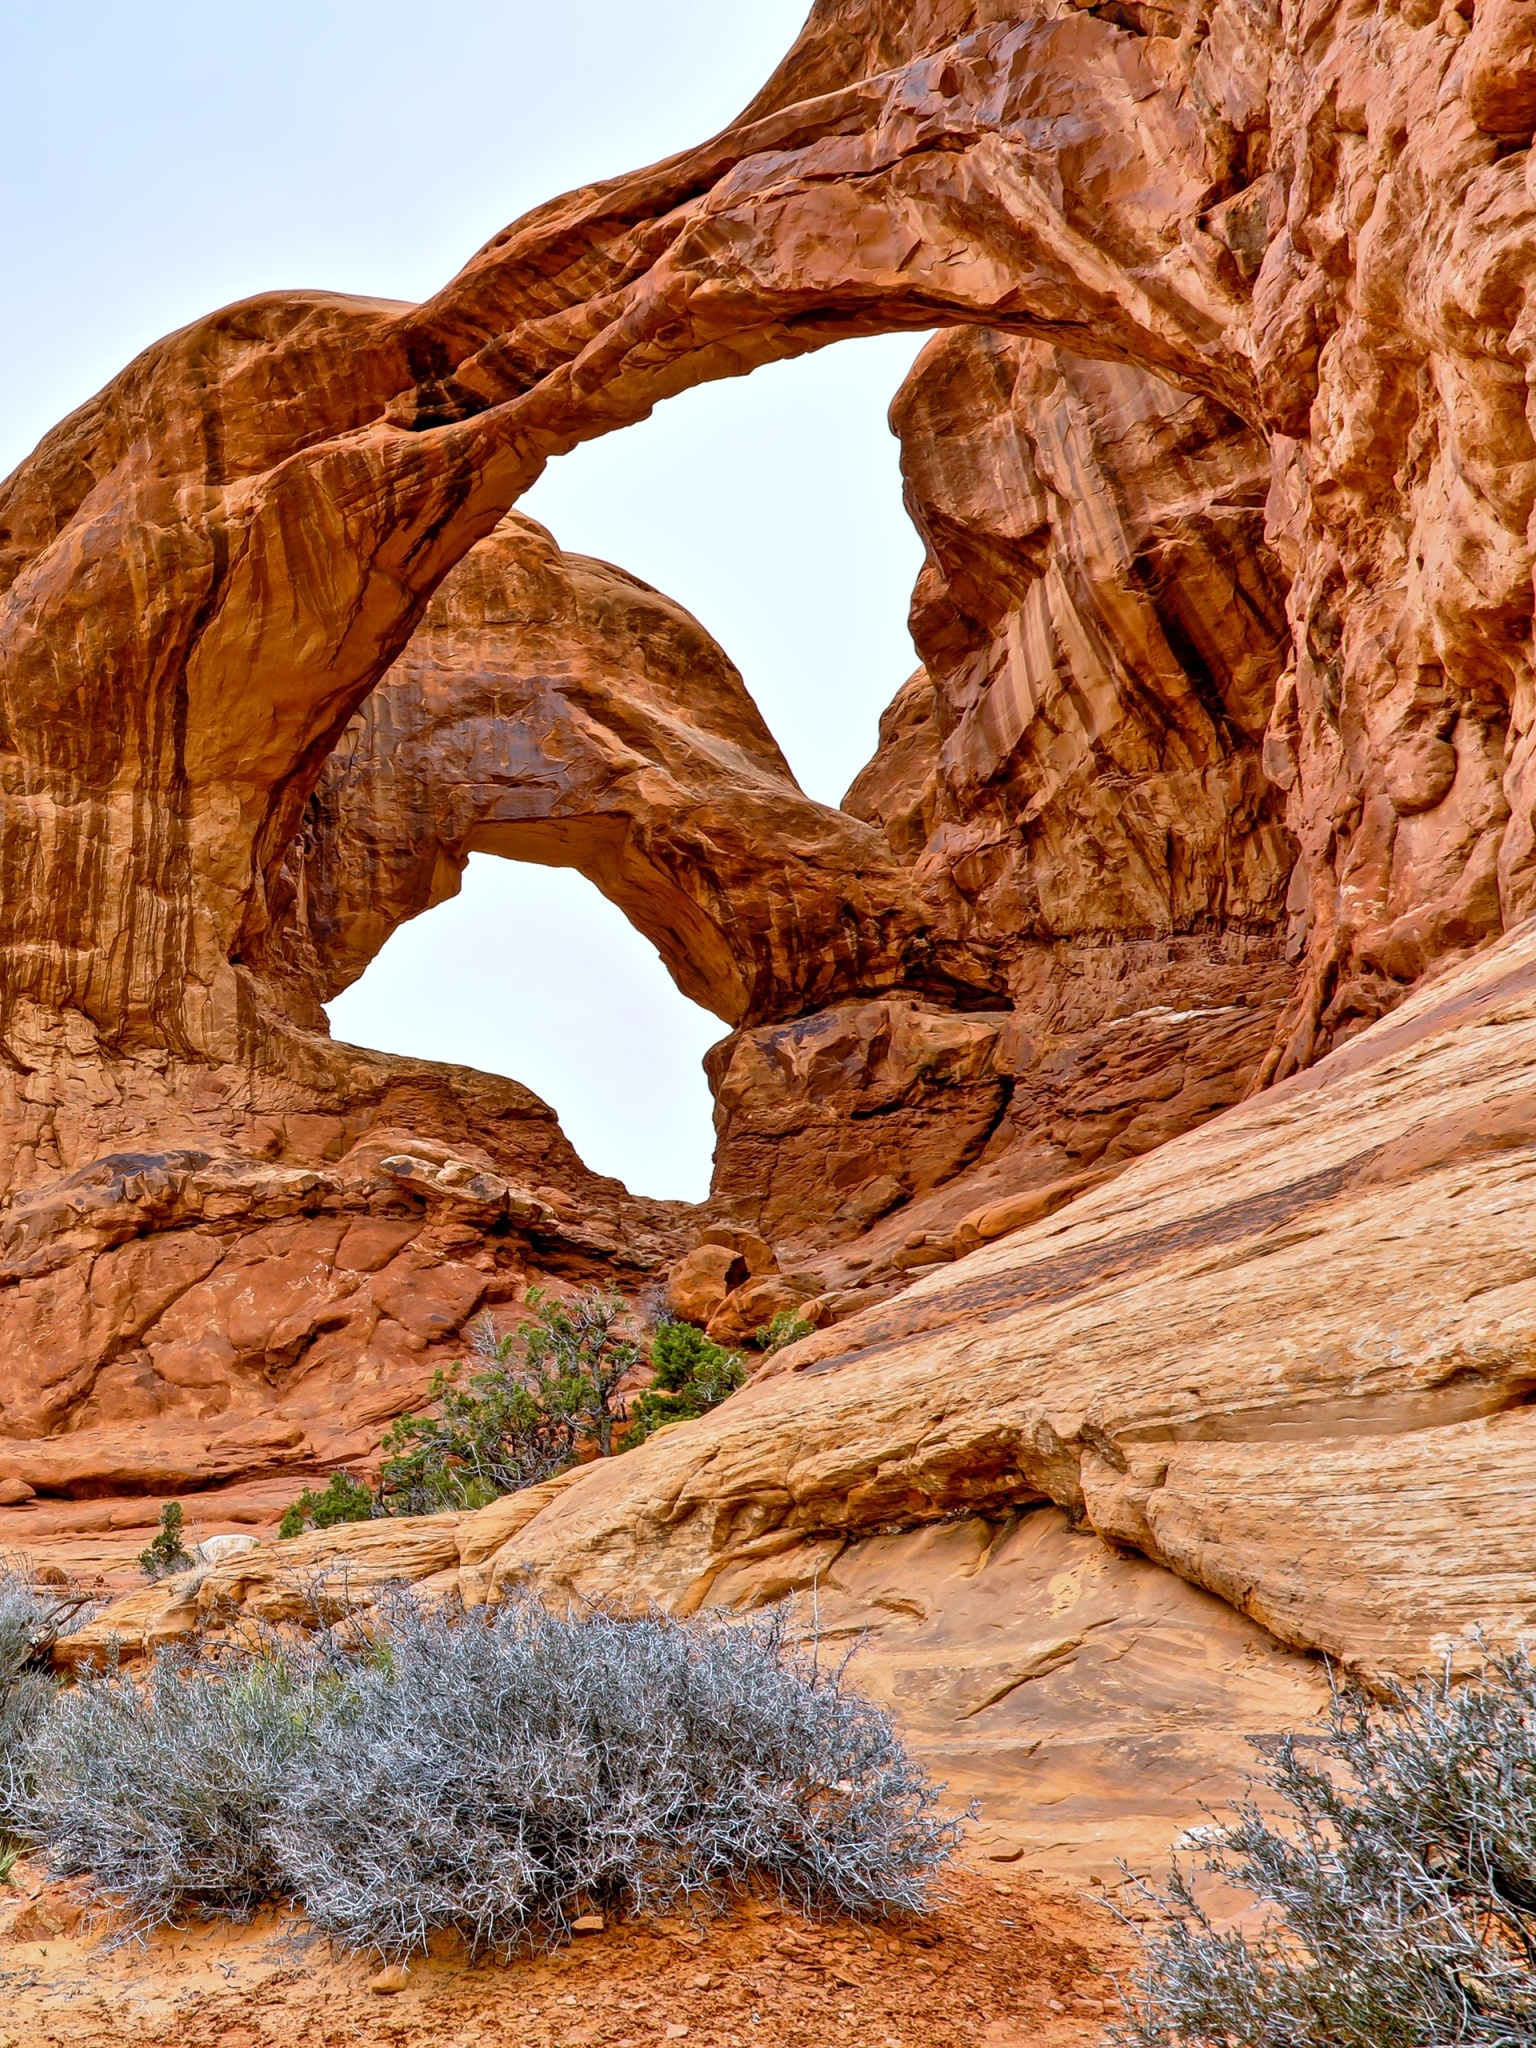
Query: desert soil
point(1004, 1962)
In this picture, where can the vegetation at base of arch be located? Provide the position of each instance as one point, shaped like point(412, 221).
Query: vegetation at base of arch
point(345, 1499)
point(693, 1375)
point(787, 1327)
point(542, 1394)
point(527, 1405)
point(494, 1775)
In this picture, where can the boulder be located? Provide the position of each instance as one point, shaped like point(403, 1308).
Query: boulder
point(754, 1305)
point(700, 1282)
point(220, 1549)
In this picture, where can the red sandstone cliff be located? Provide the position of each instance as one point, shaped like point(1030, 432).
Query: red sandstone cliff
point(1221, 746)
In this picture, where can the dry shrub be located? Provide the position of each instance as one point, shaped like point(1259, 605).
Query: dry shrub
point(492, 1774)
point(31, 1620)
point(164, 1789)
point(498, 1775)
point(1394, 1857)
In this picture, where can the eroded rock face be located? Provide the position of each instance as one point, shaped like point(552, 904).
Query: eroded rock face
point(191, 613)
point(1246, 1358)
point(1103, 627)
point(1364, 245)
point(552, 708)
point(1222, 743)
point(174, 1320)
point(1286, 1358)
point(1075, 775)
point(1325, 243)
point(1067, 813)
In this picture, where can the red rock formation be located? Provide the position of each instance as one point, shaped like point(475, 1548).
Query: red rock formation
point(1076, 782)
point(1329, 246)
point(208, 567)
point(1103, 628)
point(1287, 1358)
point(1248, 299)
point(554, 709)
point(173, 1319)
point(1241, 1358)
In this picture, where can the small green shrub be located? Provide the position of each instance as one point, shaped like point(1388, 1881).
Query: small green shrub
point(580, 1361)
point(787, 1327)
point(167, 1553)
point(692, 1376)
point(1392, 1858)
point(345, 1499)
point(543, 1393)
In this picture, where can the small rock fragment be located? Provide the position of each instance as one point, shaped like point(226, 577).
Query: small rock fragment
point(52, 1917)
point(589, 1923)
point(392, 1978)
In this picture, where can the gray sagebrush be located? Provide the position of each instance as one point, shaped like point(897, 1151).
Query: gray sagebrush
point(31, 1621)
point(1392, 1857)
point(492, 1774)
point(500, 1773)
point(163, 1788)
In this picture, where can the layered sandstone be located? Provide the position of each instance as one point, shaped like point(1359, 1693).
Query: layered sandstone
point(1288, 1358)
point(1328, 246)
point(555, 709)
point(173, 1320)
point(1221, 746)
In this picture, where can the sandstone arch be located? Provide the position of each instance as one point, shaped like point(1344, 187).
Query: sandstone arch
point(555, 709)
point(1294, 214)
point(208, 567)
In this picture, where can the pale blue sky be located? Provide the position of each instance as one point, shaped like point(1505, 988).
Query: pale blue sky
point(160, 160)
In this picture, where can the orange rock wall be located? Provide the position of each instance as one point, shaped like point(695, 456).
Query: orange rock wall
point(1224, 471)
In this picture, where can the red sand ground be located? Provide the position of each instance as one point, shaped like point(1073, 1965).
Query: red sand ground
point(1002, 1963)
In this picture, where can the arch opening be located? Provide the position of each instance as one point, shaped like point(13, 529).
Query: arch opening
point(734, 494)
point(738, 492)
point(530, 972)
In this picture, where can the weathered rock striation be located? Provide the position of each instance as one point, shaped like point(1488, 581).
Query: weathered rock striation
point(1302, 239)
point(1288, 1357)
point(1220, 751)
point(1074, 775)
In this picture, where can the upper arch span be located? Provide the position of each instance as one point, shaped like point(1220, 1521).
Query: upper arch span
point(207, 568)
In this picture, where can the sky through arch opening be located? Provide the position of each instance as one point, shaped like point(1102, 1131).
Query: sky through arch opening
point(771, 508)
point(530, 971)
